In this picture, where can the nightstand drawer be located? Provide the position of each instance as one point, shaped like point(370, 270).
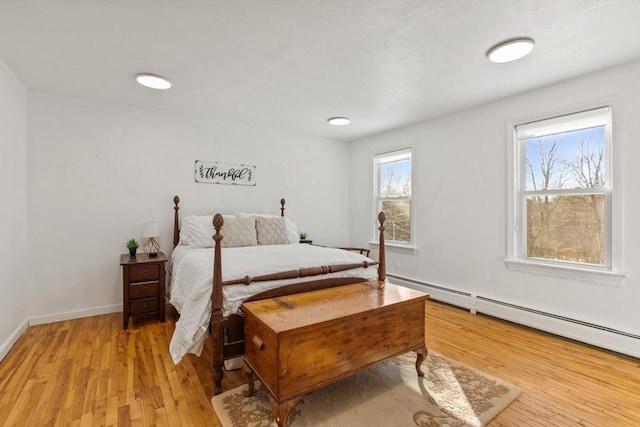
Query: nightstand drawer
point(146, 305)
point(143, 280)
point(143, 290)
point(144, 273)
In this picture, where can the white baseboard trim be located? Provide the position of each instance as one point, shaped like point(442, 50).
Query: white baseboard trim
point(438, 293)
point(599, 336)
point(75, 314)
point(13, 338)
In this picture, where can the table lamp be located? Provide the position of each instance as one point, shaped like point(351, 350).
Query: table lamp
point(151, 230)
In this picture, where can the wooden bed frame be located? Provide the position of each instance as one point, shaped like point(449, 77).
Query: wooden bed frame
point(227, 333)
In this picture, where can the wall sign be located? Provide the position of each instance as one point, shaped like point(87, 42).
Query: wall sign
point(225, 173)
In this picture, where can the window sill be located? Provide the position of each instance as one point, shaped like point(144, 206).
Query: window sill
point(585, 274)
point(396, 247)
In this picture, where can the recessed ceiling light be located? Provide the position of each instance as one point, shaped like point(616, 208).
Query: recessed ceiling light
point(510, 50)
point(339, 121)
point(153, 81)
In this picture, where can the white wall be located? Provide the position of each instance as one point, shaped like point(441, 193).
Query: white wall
point(13, 208)
point(460, 165)
point(97, 171)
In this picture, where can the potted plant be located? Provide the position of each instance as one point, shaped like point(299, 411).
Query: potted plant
point(133, 246)
point(303, 238)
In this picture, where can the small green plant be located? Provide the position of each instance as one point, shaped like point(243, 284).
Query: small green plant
point(132, 244)
point(303, 236)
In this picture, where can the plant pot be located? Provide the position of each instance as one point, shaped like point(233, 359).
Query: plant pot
point(133, 251)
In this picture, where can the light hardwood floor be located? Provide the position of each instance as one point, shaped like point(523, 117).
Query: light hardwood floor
point(91, 372)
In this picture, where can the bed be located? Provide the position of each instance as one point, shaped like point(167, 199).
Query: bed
point(262, 259)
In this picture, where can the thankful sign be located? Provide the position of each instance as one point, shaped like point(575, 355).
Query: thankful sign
point(225, 173)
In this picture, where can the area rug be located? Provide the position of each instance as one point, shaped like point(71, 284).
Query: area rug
point(389, 394)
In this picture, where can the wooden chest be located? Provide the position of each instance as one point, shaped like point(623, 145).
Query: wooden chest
point(298, 343)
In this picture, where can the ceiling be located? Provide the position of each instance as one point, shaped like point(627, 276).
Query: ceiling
point(291, 64)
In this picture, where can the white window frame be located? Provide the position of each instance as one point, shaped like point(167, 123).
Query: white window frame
point(377, 200)
point(611, 272)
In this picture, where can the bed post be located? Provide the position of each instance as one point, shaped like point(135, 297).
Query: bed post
point(217, 331)
point(282, 202)
point(382, 269)
point(176, 229)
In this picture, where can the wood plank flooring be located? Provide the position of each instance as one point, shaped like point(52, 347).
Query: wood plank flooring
point(91, 372)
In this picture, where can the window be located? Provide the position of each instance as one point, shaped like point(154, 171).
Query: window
point(392, 182)
point(562, 202)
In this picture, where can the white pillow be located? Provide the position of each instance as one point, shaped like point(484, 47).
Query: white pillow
point(197, 230)
point(238, 232)
point(291, 229)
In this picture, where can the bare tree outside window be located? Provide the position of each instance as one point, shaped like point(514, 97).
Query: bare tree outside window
point(564, 197)
point(393, 193)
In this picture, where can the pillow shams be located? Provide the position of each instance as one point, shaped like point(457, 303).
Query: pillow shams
point(242, 230)
point(197, 231)
point(291, 229)
point(275, 231)
point(238, 232)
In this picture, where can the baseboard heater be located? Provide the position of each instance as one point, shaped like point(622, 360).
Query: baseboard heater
point(598, 335)
point(564, 319)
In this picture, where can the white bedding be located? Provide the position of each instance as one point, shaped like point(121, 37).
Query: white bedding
point(192, 280)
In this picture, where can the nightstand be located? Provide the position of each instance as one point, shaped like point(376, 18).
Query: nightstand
point(143, 286)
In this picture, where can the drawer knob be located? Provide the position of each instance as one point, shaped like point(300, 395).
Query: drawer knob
point(258, 343)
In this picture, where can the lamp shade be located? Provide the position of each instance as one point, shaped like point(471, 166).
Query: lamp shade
point(150, 229)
